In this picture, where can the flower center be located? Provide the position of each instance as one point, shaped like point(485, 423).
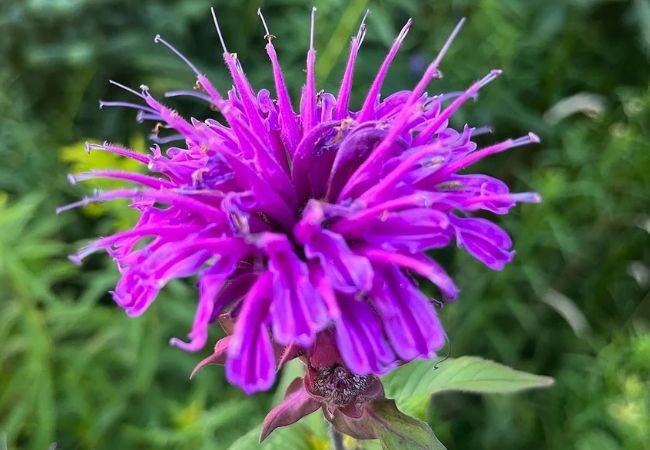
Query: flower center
point(339, 385)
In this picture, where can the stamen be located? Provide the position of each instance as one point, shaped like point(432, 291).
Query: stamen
point(103, 103)
point(530, 138)
point(216, 25)
point(311, 29)
point(152, 182)
point(361, 34)
point(289, 126)
point(519, 197)
point(433, 126)
point(167, 139)
point(157, 127)
point(142, 116)
point(527, 197)
point(160, 40)
point(107, 147)
point(308, 101)
point(448, 42)
point(438, 304)
point(188, 93)
point(404, 31)
point(268, 36)
point(482, 130)
point(100, 196)
point(402, 120)
point(128, 89)
point(459, 164)
point(343, 96)
point(374, 91)
point(490, 77)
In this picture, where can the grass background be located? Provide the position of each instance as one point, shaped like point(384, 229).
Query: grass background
point(574, 304)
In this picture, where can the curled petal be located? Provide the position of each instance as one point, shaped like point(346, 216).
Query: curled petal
point(297, 311)
point(251, 357)
point(484, 241)
point(360, 339)
point(313, 159)
point(412, 231)
point(421, 265)
point(345, 270)
point(409, 319)
point(353, 150)
point(210, 282)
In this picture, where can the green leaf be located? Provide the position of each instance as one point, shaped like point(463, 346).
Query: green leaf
point(296, 437)
point(412, 384)
point(397, 431)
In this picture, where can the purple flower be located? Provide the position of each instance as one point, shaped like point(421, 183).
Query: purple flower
point(307, 226)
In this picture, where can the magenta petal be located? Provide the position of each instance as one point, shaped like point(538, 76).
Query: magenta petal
point(484, 240)
point(412, 230)
point(251, 358)
point(422, 265)
point(298, 312)
point(325, 290)
point(468, 186)
point(210, 282)
point(410, 320)
point(346, 271)
point(353, 150)
point(367, 110)
point(343, 97)
point(313, 160)
point(288, 120)
point(360, 339)
point(296, 404)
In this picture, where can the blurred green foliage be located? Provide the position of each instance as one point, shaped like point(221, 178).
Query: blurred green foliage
point(574, 305)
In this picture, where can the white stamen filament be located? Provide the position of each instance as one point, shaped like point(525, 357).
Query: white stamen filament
point(361, 34)
point(160, 40)
point(216, 25)
point(268, 36)
point(126, 88)
point(448, 42)
point(311, 28)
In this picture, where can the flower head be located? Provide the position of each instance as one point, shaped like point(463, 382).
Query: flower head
point(307, 229)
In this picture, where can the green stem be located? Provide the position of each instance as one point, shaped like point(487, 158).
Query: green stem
point(336, 439)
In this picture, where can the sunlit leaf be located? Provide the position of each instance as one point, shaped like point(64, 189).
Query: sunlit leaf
point(412, 384)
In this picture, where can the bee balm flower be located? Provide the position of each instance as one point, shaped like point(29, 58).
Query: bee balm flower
point(307, 226)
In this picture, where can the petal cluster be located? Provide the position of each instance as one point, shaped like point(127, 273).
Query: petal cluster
point(299, 222)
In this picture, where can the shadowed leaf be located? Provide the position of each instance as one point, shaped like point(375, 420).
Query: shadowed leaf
point(397, 431)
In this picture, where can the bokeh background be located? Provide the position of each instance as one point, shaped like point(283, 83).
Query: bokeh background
point(75, 371)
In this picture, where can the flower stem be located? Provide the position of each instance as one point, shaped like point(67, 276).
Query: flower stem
point(336, 439)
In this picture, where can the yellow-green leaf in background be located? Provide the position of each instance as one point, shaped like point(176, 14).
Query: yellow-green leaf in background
point(80, 160)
